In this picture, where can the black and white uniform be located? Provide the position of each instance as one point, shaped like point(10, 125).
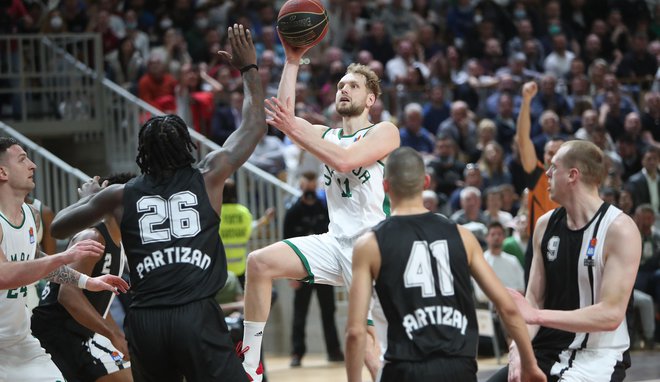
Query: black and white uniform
point(425, 291)
point(78, 352)
point(573, 261)
point(177, 265)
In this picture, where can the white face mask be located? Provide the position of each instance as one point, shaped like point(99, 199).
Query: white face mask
point(56, 22)
point(165, 24)
point(202, 23)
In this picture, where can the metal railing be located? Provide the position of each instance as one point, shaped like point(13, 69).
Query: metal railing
point(51, 81)
point(257, 189)
point(56, 181)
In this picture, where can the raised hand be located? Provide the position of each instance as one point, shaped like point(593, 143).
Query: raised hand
point(112, 283)
point(242, 48)
point(293, 54)
point(83, 249)
point(90, 187)
point(529, 90)
point(281, 116)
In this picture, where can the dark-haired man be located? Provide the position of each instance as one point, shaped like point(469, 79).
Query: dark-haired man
point(76, 327)
point(169, 221)
point(421, 264)
point(22, 263)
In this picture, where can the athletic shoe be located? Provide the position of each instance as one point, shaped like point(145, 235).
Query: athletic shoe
point(296, 360)
point(255, 375)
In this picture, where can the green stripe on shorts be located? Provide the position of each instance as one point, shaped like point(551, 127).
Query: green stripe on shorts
point(310, 276)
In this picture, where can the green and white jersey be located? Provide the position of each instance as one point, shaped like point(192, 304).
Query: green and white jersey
point(19, 243)
point(356, 199)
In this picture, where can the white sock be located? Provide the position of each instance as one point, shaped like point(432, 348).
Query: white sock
point(253, 333)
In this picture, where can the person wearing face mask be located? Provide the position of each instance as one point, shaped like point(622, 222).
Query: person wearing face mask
point(195, 36)
point(140, 39)
point(309, 216)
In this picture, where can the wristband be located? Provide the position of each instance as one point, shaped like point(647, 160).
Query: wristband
point(248, 67)
point(82, 281)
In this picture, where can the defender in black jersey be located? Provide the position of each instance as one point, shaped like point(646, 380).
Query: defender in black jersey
point(75, 326)
point(421, 264)
point(169, 227)
point(586, 255)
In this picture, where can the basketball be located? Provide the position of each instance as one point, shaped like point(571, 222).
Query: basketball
point(302, 23)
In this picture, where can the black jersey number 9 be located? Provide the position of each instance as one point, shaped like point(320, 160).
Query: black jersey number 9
point(163, 218)
point(419, 274)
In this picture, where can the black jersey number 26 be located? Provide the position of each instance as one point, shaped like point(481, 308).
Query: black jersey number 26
point(167, 218)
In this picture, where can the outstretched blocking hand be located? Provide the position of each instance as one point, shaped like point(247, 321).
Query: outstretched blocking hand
point(242, 47)
point(112, 283)
point(91, 187)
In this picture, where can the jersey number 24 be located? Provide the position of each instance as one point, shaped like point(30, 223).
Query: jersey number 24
point(419, 273)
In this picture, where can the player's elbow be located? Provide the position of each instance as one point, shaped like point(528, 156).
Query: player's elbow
point(612, 319)
point(343, 164)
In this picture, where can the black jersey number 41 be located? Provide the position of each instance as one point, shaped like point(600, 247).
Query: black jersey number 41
point(419, 273)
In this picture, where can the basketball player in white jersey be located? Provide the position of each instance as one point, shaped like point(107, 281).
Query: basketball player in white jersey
point(353, 158)
point(21, 356)
point(586, 255)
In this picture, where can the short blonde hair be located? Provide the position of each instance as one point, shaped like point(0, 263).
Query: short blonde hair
point(372, 80)
point(587, 158)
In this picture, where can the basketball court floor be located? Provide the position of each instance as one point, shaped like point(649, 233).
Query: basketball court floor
point(645, 368)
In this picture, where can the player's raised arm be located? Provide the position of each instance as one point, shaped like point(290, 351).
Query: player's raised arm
point(220, 164)
point(523, 129)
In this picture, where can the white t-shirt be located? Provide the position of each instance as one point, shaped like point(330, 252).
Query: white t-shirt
point(508, 270)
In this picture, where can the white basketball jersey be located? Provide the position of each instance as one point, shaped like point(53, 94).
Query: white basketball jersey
point(356, 199)
point(19, 243)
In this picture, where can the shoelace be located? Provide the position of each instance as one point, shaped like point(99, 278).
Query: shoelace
point(240, 351)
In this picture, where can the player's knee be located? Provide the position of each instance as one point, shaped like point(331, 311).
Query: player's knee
point(257, 264)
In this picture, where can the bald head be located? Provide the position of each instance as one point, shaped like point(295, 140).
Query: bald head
point(405, 173)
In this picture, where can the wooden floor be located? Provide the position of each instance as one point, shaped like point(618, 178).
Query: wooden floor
point(315, 368)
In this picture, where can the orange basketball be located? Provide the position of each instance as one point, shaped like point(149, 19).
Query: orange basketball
point(302, 23)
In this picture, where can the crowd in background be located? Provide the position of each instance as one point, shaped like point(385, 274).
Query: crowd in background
point(451, 71)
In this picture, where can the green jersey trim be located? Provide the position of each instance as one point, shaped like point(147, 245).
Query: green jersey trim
point(325, 132)
point(16, 226)
point(310, 276)
point(386, 205)
point(341, 132)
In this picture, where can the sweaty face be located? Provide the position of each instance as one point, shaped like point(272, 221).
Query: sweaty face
point(351, 98)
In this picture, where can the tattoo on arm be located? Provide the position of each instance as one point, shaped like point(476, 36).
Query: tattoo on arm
point(64, 275)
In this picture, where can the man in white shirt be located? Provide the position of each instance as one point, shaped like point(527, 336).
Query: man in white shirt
point(506, 266)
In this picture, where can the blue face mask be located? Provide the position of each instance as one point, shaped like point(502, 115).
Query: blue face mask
point(304, 76)
point(554, 29)
point(520, 14)
point(131, 25)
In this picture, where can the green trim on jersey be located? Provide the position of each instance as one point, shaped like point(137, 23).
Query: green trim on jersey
point(370, 322)
point(341, 132)
point(310, 276)
point(380, 162)
point(23, 222)
point(386, 205)
point(325, 132)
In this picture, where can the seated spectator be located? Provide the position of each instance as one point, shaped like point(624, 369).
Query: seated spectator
point(125, 65)
point(486, 133)
point(505, 265)
point(494, 211)
point(471, 178)
point(436, 110)
point(156, 86)
point(645, 184)
point(412, 133)
point(227, 118)
point(548, 99)
point(516, 243)
point(470, 207)
point(445, 169)
point(558, 62)
point(269, 155)
point(638, 64)
point(140, 39)
point(462, 129)
point(550, 128)
point(631, 159)
point(651, 117)
point(491, 165)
